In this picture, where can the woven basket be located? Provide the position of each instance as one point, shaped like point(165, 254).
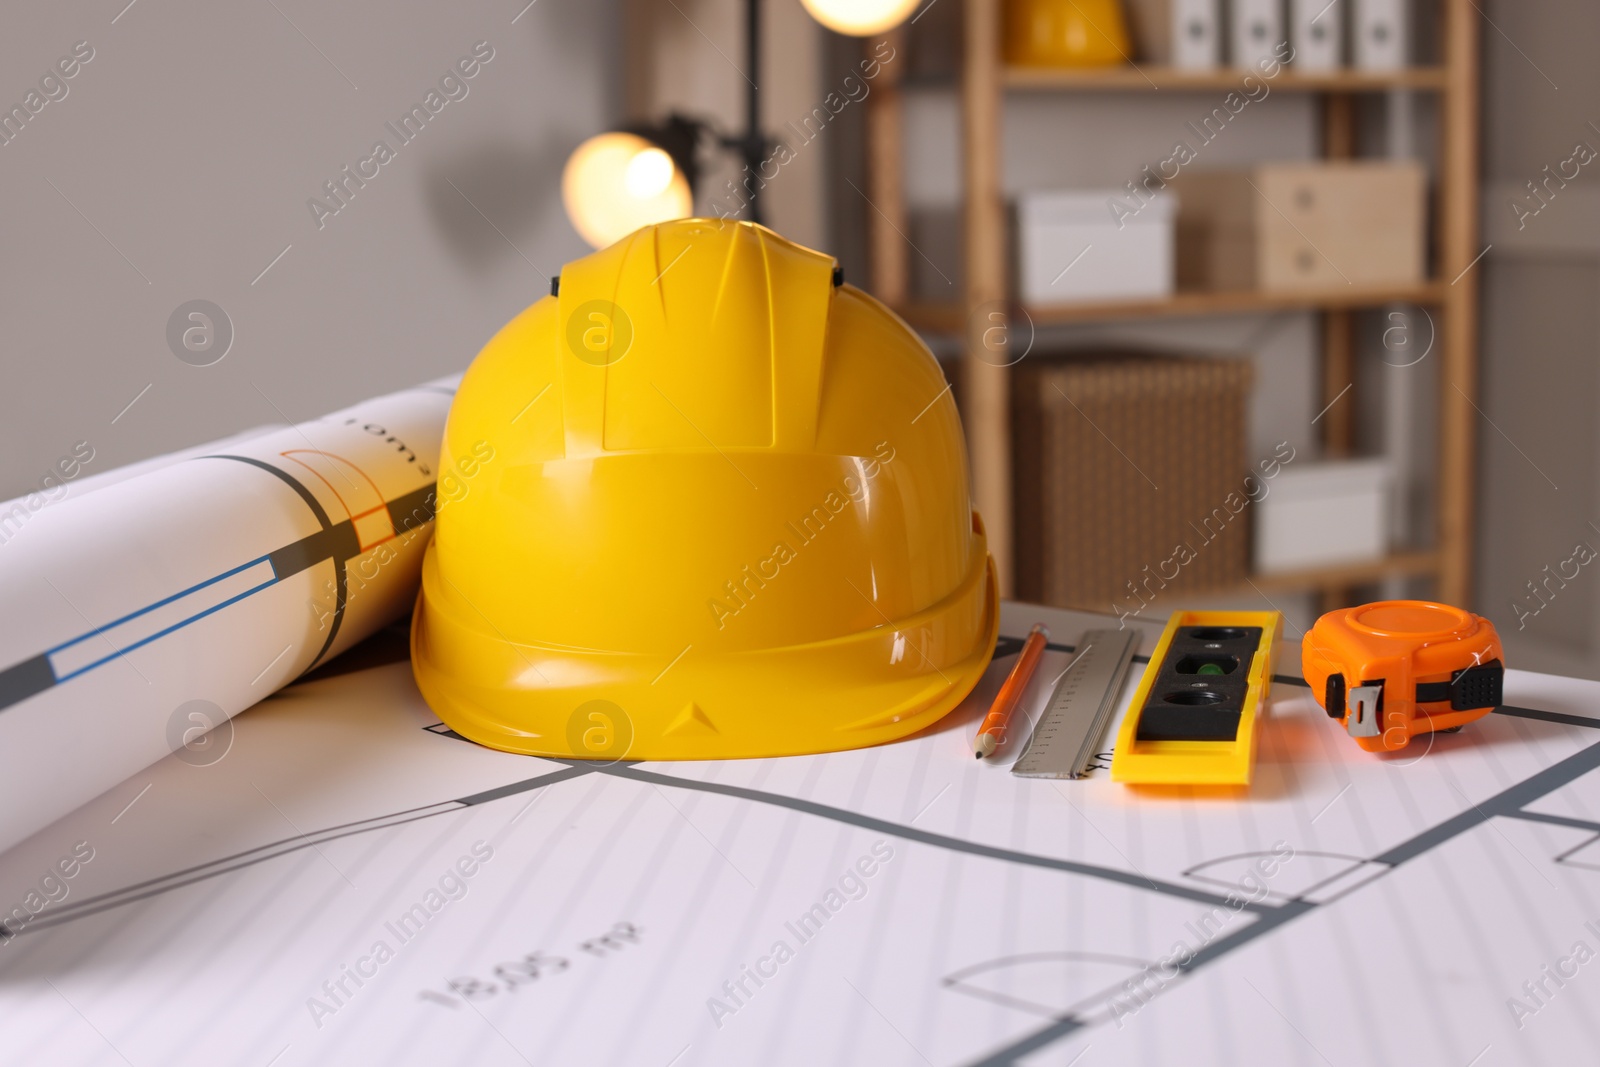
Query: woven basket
point(1121, 462)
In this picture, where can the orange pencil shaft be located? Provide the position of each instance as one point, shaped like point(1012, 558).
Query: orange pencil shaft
point(993, 730)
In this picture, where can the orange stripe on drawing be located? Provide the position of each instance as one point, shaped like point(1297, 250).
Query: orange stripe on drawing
point(355, 491)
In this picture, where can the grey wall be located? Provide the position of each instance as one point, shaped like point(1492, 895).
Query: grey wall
point(1539, 452)
point(179, 164)
point(689, 56)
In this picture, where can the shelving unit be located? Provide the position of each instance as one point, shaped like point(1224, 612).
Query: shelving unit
point(1119, 79)
point(985, 400)
point(946, 318)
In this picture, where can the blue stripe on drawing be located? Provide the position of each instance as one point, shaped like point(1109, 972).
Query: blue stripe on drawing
point(175, 626)
point(32, 676)
point(97, 631)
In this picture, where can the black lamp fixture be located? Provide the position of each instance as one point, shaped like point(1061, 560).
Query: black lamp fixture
point(618, 181)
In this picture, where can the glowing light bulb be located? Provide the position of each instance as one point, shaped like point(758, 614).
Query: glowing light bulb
point(859, 18)
point(614, 183)
point(648, 174)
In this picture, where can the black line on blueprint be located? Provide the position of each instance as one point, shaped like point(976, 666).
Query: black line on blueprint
point(338, 541)
point(1547, 716)
point(574, 770)
point(955, 844)
point(334, 541)
point(288, 479)
point(1556, 820)
point(214, 868)
point(1508, 802)
point(1217, 949)
point(22, 680)
point(1505, 802)
point(414, 510)
point(322, 517)
point(1267, 917)
point(1035, 1041)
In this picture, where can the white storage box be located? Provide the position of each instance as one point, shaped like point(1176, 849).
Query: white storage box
point(1316, 514)
point(1094, 244)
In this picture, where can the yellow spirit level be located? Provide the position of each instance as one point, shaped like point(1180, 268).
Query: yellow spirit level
point(1193, 717)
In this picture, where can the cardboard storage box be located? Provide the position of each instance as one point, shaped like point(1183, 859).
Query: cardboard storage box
point(1302, 226)
point(1317, 514)
point(1072, 247)
point(1129, 473)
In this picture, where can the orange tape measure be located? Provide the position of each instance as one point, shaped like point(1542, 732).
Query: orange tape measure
point(1398, 668)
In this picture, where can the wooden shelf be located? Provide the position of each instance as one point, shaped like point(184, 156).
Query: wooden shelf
point(1194, 304)
point(1315, 579)
point(984, 84)
point(932, 318)
point(947, 318)
point(1149, 78)
point(1400, 565)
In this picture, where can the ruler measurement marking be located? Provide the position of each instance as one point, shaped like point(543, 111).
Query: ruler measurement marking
point(1076, 716)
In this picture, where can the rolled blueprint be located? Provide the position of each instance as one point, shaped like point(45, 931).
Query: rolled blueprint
point(142, 613)
point(68, 480)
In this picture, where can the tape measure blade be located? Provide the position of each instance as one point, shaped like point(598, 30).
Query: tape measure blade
point(1079, 709)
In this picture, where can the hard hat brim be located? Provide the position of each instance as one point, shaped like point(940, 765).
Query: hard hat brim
point(818, 697)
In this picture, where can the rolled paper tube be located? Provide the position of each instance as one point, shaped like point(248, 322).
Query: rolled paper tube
point(142, 611)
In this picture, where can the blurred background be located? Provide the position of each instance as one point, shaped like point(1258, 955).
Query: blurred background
point(1245, 303)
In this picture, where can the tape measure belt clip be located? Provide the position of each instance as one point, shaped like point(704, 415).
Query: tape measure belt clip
point(1469, 689)
point(1478, 686)
point(1366, 710)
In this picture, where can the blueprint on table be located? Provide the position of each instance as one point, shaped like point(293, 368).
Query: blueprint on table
point(350, 883)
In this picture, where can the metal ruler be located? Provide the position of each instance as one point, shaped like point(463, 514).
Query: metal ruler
point(1075, 719)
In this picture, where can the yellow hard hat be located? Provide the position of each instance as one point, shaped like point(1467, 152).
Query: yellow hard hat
point(1066, 33)
point(706, 502)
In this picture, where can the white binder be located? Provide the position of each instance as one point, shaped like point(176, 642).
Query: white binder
point(1178, 33)
point(1256, 32)
point(1381, 29)
point(1316, 28)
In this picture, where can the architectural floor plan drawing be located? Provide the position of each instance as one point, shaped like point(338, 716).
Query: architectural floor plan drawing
point(157, 602)
point(349, 882)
